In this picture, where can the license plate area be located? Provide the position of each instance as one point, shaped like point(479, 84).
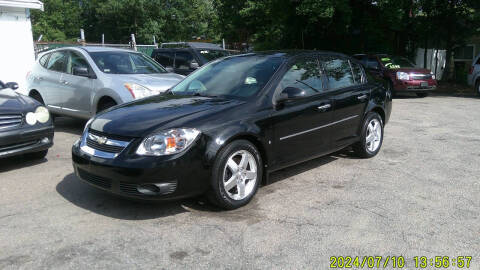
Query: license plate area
point(424, 84)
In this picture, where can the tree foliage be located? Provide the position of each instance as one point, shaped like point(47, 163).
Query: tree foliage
point(350, 26)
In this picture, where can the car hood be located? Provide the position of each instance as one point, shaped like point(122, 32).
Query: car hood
point(411, 70)
point(12, 103)
point(142, 117)
point(159, 82)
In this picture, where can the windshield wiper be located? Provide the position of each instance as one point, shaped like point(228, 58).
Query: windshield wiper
point(203, 95)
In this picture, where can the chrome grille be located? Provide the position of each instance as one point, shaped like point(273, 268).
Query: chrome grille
point(416, 76)
point(104, 147)
point(106, 143)
point(10, 120)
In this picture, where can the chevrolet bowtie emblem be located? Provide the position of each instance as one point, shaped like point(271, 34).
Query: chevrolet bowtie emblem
point(98, 139)
point(102, 140)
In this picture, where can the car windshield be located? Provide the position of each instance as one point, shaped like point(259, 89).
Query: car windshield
point(125, 63)
point(237, 77)
point(209, 55)
point(395, 62)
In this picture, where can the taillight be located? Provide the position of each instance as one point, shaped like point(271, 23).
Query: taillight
point(471, 70)
point(28, 75)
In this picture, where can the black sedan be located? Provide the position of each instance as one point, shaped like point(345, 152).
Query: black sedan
point(25, 125)
point(225, 127)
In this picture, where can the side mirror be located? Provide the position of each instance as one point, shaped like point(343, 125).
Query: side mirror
point(292, 93)
point(81, 71)
point(194, 65)
point(12, 85)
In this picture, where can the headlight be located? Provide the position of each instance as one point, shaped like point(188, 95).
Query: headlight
point(138, 91)
point(433, 75)
point(42, 114)
point(169, 142)
point(403, 76)
point(30, 118)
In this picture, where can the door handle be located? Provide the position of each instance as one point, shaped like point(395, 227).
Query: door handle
point(64, 82)
point(362, 97)
point(324, 107)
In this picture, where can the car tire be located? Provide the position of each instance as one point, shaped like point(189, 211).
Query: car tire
point(106, 105)
point(422, 95)
point(369, 146)
point(232, 187)
point(38, 155)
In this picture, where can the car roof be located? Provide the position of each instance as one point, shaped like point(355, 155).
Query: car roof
point(190, 45)
point(291, 53)
point(90, 49)
point(103, 49)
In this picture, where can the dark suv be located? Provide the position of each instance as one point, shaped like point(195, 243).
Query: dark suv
point(400, 74)
point(185, 57)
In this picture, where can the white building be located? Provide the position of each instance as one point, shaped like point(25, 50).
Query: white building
point(16, 40)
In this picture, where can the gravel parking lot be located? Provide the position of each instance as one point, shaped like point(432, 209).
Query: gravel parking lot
point(419, 196)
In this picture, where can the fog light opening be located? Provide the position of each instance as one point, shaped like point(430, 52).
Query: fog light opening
point(45, 140)
point(149, 189)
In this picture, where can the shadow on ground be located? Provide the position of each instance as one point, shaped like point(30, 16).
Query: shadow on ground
point(106, 204)
point(19, 162)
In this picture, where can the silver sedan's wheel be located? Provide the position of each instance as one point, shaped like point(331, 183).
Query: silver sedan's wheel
point(240, 175)
point(374, 135)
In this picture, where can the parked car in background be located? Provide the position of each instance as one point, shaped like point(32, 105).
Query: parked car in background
point(474, 75)
point(25, 125)
point(82, 81)
point(226, 126)
point(400, 74)
point(185, 57)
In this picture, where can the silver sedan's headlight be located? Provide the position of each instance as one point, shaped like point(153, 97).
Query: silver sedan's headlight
point(168, 142)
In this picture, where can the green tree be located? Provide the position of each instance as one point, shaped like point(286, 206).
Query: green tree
point(60, 21)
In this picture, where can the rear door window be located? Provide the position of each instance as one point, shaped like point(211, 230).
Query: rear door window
point(165, 59)
point(44, 60)
point(183, 60)
point(357, 72)
point(58, 62)
point(338, 72)
point(304, 74)
point(76, 61)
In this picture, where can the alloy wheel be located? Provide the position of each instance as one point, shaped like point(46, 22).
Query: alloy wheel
point(374, 135)
point(240, 175)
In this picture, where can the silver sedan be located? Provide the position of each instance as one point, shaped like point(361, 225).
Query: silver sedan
point(82, 81)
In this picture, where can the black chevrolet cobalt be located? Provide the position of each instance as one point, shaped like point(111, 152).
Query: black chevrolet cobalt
point(226, 126)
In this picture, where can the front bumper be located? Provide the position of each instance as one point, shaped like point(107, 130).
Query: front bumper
point(132, 176)
point(416, 85)
point(26, 140)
